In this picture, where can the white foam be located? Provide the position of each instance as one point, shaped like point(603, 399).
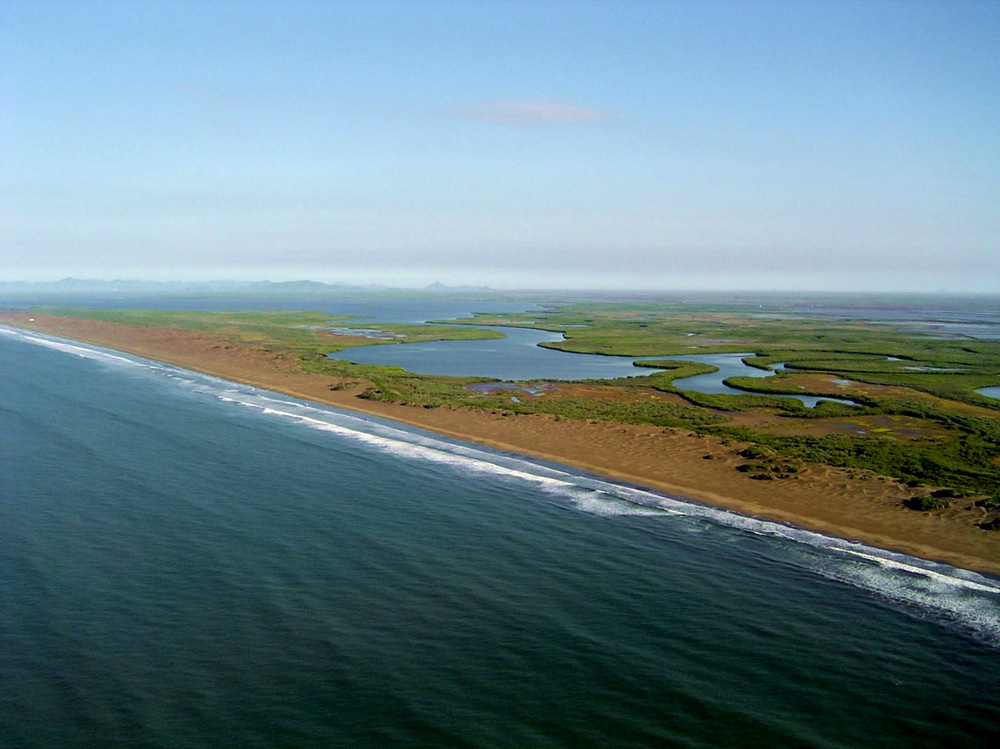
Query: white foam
point(931, 575)
point(960, 596)
point(397, 442)
point(70, 347)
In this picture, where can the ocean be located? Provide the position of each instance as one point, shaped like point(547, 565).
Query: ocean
point(185, 561)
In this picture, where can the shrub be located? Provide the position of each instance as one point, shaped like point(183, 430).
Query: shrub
point(925, 504)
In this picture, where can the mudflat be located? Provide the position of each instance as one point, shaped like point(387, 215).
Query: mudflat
point(848, 504)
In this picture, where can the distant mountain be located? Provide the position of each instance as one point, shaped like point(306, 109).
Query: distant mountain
point(88, 287)
point(439, 288)
point(115, 287)
point(284, 287)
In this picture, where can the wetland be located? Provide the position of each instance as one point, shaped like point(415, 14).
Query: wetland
point(903, 404)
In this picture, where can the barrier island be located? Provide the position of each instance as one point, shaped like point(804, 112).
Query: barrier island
point(912, 463)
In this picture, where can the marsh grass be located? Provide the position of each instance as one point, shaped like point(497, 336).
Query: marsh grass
point(890, 373)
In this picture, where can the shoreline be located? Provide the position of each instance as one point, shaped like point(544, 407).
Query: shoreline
point(832, 501)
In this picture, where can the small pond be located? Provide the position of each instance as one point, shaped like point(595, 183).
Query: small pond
point(990, 392)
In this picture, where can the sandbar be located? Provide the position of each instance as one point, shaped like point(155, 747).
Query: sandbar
point(848, 504)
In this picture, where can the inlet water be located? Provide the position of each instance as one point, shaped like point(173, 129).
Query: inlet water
point(519, 357)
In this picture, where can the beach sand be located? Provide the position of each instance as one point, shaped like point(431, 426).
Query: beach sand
point(847, 504)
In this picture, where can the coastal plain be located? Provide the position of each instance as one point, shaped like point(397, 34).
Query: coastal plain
point(749, 453)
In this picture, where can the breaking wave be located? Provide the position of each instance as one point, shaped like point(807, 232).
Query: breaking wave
point(959, 597)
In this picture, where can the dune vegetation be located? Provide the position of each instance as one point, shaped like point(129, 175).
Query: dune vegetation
point(916, 416)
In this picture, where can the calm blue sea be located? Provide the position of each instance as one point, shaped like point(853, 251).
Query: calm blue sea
point(189, 562)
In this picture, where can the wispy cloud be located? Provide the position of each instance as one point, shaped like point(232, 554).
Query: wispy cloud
point(518, 113)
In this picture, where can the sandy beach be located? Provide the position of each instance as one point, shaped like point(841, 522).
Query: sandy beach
point(847, 504)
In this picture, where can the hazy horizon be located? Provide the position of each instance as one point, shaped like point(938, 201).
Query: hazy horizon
point(767, 146)
point(137, 288)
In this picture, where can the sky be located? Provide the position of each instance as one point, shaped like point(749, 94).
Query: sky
point(798, 145)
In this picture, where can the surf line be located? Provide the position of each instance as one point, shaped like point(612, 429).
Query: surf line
point(481, 459)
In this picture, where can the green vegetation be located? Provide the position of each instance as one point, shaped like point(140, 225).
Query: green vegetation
point(765, 465)
point(917, 417)
point(946, 366)
point(926, 504)
point(303, 334)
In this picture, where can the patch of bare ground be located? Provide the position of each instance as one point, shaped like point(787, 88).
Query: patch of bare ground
point(892, 426)
point(897, 392)
point(628, 394)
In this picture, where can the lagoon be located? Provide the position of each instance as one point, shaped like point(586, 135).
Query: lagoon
point(515, 357)
point(518, 357)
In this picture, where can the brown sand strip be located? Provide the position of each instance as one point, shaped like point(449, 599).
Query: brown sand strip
point(829, 500)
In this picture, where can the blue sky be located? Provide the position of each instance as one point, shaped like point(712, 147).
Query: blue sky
point(669, 145)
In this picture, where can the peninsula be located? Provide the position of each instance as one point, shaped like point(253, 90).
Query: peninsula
point(912, 467)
